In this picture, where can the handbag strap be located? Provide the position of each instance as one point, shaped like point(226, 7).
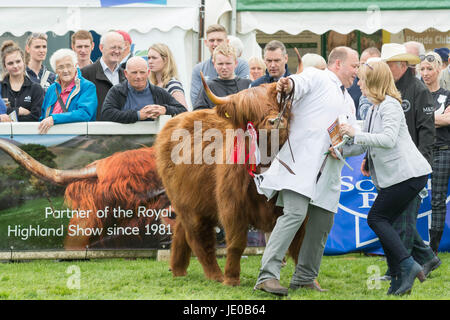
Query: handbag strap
point(60, 100)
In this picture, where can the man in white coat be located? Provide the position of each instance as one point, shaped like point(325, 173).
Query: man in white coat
point(313, 188)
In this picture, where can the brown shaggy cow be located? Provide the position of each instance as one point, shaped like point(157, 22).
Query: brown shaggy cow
point(125, 179)
point(207, 195)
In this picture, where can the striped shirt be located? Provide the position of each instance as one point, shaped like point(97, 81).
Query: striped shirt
point(174, 85)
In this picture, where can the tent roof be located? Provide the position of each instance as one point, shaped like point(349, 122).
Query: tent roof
point(343, 16)
point(64, 15)
point(339, 5)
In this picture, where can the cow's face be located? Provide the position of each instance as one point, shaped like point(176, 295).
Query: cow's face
point(258, 105)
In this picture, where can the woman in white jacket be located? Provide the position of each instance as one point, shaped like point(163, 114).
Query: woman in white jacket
point(398, 169)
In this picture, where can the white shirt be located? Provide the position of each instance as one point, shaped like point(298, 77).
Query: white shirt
point(318, 102)
point(112, 75)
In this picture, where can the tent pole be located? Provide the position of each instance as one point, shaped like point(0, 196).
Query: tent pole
point(201, 30)
point(233, 18)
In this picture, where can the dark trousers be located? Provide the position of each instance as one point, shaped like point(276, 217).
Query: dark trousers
point(388, 206)
point(405, 225)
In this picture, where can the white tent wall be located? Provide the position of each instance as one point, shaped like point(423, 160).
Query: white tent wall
point(219, 11)
point(175, 24)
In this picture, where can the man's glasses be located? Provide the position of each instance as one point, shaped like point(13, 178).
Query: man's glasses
point(429, 58)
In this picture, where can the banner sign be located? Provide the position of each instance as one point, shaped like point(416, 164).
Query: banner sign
point(111, 3)
point(124, 206)
point(350, 232)
point(115, 209)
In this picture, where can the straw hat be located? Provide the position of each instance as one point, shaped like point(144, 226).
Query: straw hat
point(397, 52)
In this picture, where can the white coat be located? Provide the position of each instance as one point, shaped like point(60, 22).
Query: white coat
point(318, 102)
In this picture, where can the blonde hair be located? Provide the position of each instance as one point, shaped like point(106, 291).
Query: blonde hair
point(436, 64)
point(379, 81)
point(33, 36)
point(224, 49)
point(259, 61)
point(169, 70)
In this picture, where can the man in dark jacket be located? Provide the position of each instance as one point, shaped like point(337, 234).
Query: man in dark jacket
point(106, 71)
point(136, 98)
point(275, 58)
point(417, 103)
point(225, 62)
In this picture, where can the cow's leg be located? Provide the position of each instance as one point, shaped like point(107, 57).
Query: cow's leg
point(180, 251)
point(236, 239)
point(202, 240)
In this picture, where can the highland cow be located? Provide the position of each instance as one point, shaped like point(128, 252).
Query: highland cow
point(206, 195)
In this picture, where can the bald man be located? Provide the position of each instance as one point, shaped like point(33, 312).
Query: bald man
point(136, 99)
point(106, 71)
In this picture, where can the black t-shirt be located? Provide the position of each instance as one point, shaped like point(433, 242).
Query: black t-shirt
point(220, 88)
point(441, 99)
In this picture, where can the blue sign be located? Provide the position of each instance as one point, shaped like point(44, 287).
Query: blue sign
point(111, 3)
point(351, 232)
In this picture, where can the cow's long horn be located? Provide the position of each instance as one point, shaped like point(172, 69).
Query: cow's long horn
point(214, 99)
point(56, 176)
point(300, 62)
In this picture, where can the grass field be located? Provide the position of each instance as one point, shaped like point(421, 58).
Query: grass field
point(347, 277)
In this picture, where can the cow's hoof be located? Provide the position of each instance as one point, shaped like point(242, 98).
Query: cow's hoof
point(232, 282)
point(218, 278)
point(180, 273)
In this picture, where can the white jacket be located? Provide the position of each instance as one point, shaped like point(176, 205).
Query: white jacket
point(318, 102)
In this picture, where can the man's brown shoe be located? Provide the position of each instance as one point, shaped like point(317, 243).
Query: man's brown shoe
point(272, 286)
point(312, 286)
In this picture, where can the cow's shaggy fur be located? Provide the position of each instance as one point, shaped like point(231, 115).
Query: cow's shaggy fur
point(207, 195)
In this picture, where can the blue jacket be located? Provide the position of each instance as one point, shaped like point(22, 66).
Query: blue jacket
point(2, 103)
point(81, 105)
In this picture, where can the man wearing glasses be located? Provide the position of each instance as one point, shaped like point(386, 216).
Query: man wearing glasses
point(106, 71)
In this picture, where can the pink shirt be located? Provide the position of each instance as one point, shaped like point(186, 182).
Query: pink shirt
point(64, 96)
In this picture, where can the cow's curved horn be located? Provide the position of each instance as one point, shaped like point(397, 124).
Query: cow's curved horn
point(56, 176)
point(300, 62)
point(214, 99)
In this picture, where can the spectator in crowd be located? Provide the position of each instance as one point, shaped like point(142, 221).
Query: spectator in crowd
point(417, 49)
point(215, 35)
point(127, 50)
point(385, 134)
point(83, 44)
point(257, 67)
point(35, 54)
point(71, 98)
point(225, 61)
point(312, 190)
point(136, 98)
point(445, 73)
point(106, 71)
point(237, 44)
point(362, 104)
point(418, 107)
point(430, 68)
point(275, 58)
point(314, 60)
point(163, 71)
point(24, 96)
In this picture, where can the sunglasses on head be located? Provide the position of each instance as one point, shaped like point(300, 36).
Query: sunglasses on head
point(429, 58)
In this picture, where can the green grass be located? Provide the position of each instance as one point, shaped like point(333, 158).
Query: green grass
point(31, 213)
point(345, 276)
